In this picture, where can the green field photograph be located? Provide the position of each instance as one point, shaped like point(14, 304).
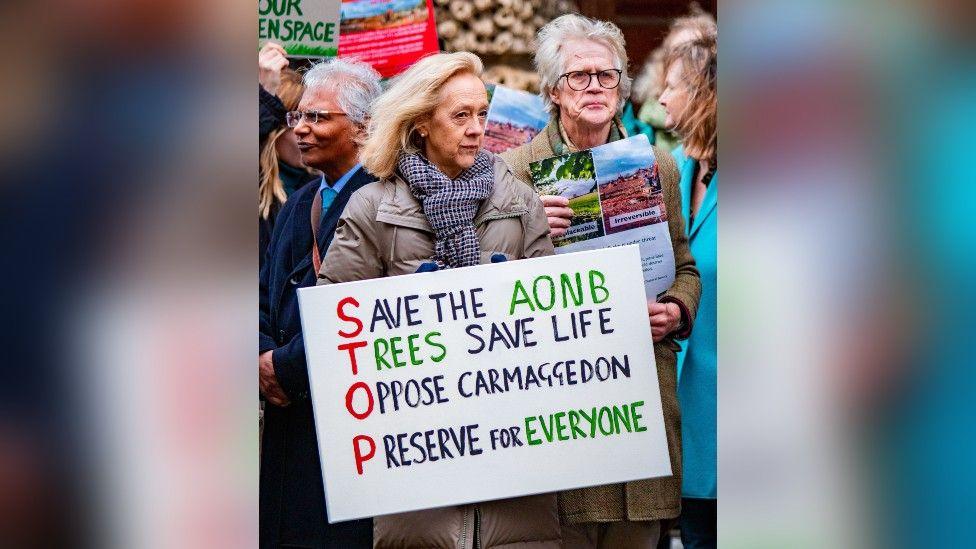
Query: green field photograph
point(572, 176)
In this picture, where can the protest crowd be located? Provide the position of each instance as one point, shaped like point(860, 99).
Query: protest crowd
point(364, 177)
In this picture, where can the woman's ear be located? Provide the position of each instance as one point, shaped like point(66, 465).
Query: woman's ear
point(422, 128)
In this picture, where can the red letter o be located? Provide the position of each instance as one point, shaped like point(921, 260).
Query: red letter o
point(349, 395)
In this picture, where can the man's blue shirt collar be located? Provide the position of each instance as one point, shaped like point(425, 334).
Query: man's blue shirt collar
point(338, 185)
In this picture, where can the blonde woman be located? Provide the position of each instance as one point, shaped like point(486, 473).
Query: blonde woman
point(280, 168)
point(689, 98)
point(441, 200)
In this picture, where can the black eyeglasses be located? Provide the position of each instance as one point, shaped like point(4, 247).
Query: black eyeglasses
point(294, 118)
point(580, 80)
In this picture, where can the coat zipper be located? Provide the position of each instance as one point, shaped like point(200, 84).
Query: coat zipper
point(464, 528)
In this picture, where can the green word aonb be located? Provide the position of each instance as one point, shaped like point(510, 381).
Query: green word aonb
point(592, 423)
point(567, 290)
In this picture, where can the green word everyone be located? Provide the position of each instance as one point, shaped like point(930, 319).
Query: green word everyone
point(565, 290)
point(395, 352)
point(572, 424)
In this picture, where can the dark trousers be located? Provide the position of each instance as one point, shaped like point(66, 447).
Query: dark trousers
point(697, 523)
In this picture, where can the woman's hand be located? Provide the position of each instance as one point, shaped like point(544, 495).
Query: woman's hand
point(664, 317)
point(271, 61)
point(558, 213)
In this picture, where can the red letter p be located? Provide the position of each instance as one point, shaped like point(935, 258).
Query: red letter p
point(357, 451)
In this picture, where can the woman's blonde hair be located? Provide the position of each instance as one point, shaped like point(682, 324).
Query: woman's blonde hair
point(410, 99)
point(270, 187)
point(697, 125)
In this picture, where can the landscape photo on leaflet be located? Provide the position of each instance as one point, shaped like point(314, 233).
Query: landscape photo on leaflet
point(514, 118)
point(629, 185)
point(369, 15)
point(572, 176)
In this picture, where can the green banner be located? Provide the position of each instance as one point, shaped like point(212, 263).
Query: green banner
point(306, 28)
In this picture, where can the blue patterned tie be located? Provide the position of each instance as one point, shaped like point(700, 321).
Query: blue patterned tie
point(328, 196)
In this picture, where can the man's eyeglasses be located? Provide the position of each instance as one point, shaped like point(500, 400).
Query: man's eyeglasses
point(294, 118)
point(580, 80)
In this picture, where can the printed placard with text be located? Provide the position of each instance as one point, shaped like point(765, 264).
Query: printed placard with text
point(481, 383)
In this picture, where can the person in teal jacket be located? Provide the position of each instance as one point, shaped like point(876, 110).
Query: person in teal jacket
point(689, 98)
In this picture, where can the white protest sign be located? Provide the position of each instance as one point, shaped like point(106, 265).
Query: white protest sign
point(481, 383)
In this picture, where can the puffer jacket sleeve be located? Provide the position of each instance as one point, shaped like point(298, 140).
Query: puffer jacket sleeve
point(353, 253)
point(686, 289)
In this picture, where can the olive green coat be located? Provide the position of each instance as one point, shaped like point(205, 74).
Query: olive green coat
point(651, 499)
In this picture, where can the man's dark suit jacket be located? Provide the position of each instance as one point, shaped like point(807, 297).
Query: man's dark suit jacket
point(292, 501)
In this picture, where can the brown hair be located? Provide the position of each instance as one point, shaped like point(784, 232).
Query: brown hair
point(697, 125)
point(697, 24)
point(270, 187)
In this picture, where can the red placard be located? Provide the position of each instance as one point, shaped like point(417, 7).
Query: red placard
point(390, 35)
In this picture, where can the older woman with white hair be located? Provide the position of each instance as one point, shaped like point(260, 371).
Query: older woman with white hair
point(442, 202)
point(582, 67)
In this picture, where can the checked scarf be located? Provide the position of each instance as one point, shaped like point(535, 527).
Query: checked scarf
point(450, 205)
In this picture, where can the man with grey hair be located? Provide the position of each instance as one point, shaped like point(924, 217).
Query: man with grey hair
point(329, 125)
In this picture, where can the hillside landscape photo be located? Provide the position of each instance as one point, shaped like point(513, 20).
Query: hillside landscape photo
point(369, 15)
point(514, 118)
point(629, 185)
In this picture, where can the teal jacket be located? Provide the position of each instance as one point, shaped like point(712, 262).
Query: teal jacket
point(697, 361)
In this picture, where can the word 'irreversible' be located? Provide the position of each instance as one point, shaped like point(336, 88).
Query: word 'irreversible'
point(542, 293)
point(432, 445)
point(573, 424)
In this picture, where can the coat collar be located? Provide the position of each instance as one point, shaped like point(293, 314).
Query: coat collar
point(710, 200)
point(400, 207)
point(329, 220)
